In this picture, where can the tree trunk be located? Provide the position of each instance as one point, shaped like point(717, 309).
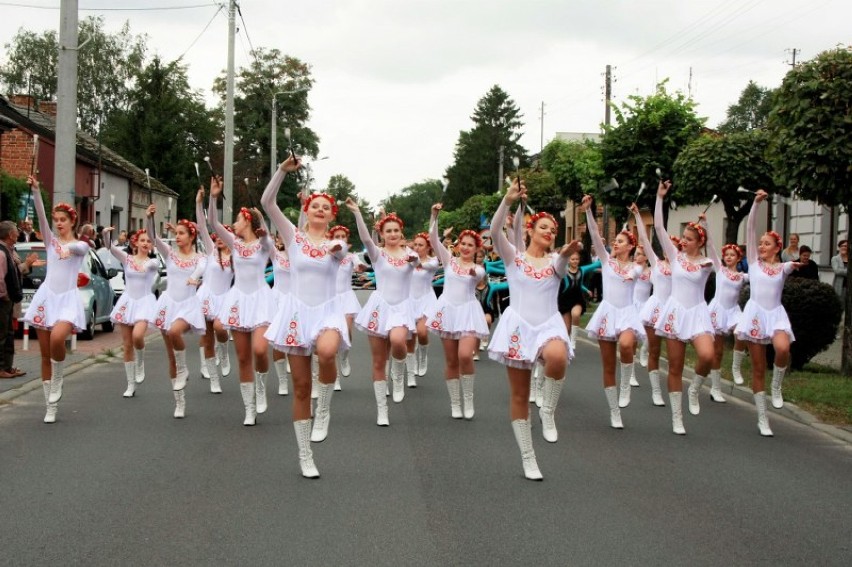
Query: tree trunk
point(846, 356)
point(735, 218)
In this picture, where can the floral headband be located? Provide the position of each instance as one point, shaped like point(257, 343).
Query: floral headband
point(702, 234)
point(337, 228)
point(246, 214)
point(229, 228)
point(190, 226)
point(68, 210)
point(473, 234)
point(325, 196)
point(135, 236)
point(777, 237)
point(390, 218)
point(538, 216)
point(630, 237)
point(676, 241)
point(737, 250)
point(424, 236)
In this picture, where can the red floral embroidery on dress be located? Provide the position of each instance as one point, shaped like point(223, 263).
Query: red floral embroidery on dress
point(205, 307)
point(625, 273)
point(755, 329)
point(120, 316)
point(713, 319)
point(373, 323)
point(686, 264)
point(308, 248)
point(458, 269)
point(133, 266)
point(646, 275)
point(770, 271)
point(515, 348)
point(602, 327)
point(732, 275)
point(436, 322)
point(531, 272)
point(161, 318)
point(664, 268)
point(292, 337)
point(655, 316)
point(282, 260)
point(395, 262)
point(40, 316)
point(183, 264)
point(246, 250)
point(670, 326)
point(234, 316)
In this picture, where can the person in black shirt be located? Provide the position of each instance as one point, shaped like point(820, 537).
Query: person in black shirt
point(809, 269)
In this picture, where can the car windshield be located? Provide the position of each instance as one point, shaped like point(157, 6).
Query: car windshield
point(37, 271)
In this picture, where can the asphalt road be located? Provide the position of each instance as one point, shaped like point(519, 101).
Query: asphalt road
point(120, 482)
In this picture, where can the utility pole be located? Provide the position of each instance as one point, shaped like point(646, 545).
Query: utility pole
point(793, 52)
point(65, 161)
point(228, 168)
point(500, 170)
point(542, 127)
point(607, 119)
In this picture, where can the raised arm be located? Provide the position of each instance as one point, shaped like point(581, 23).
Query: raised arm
point(643, 236)
point(363, 231)
point(751, 230)
point(597, 241)
point(46, 229)
point(518, 229)
point(504, 248)
point(163, 248)
point(666, 244)
point(213, 214)
point(202, 222)
point(268, 201)
point(712, 252)
point(119, 254)
point(440, 250)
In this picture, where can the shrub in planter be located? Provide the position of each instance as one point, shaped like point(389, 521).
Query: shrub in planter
point(814, 312)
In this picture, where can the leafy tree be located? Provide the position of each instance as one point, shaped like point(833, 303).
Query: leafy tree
point(106, 66)
point(268, 73)
point(13, 191)
point(718, 164)
point(165, 128)
point(811, 141)
point(649, 133)
point(497, 122)
point(413, 204)
point(577, 167)
point(470, 214)
point(750, 112)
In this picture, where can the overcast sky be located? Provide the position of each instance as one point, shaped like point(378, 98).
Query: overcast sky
point(396, 80)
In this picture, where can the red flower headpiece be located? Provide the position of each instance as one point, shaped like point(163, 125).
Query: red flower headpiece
point(424, 236)
point(246, 214)
point(336, 228)
point(777, 237)
point(325, 196)
point(190, 226)
point(214, 236)
point(68, 210)
point(702, 234)
point(630, 237)
point(135, 236)
point(473, 234)
point(676, 241)
point(389, 218)
point(538, 216)
point(737, 250)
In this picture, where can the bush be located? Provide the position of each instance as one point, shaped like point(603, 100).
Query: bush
point(814, 312)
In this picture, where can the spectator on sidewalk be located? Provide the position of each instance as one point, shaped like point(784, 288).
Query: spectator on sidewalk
point(792, 252)
point(809, 269)
point(11, 270)
point(26, 232)
point(839, 264)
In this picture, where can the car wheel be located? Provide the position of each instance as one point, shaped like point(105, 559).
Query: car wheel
point(107, 326)
point(89, 332)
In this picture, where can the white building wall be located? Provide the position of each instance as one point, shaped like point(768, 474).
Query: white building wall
point(111, 209)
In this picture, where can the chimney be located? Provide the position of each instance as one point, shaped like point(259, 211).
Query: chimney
point(26, 101)
point(47, 107)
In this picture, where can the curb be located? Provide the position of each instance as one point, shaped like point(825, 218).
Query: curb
point(745, 395)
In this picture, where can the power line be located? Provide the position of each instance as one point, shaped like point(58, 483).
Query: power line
point(145, 9)
point(216, 13)
point(245, 29)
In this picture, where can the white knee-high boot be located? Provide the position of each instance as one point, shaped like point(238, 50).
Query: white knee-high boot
point(423, 359)
point(777, 380)
point(643, 354)
point(224, 358)
point(205, 370)
point(260, 391)
point(656, 392)
point(180, 402)
point(523, 436)
point(397, 372)
point(322, 416)
point(306, 455)
point(345, 367)
point(130, 374)
point(675, 399)
point(248, 392)
point(614, 411)
point(51, 407)
point(182, 372)
point(716, 387)
point(692, 394)
point(314, 377)
point(337, 385)
point(762, 418)
point(215, 378)
point(57, 380)
point(283, 381)
point(140, 365)
point(467, 382)
point(455, 398)
point(736, 366)
point(552, 389)
point(627, 371)
point(380, 388)
point(411, 369)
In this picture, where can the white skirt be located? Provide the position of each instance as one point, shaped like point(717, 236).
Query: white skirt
point(210, 302)
point(47, 309)
point(518, 344)
point(758, 325)
point(650, 312)
point(168, 311)
point(678, 322)
point(349, 302)
point(239, 311)
point(456, 321)
point(610, 321)
point(378, 316)
point(296, 325)
point(423, 305)
point(129, 311)
point(724, 320)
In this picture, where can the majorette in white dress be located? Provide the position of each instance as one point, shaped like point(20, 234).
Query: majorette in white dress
point(311, 307)
point(661, 279)
point(180, 300)
point(218, 276)
point(725, 309)
point(57, 298)
point(763, 314)
point(423, 298)
point(616, 313)
point(532, 319)
point(137, 303)
point(348, 300)
point(685, 315)
point(642, 289)
point(457, 313)
point(247, 305)
point(280, 272)
point(390, 305)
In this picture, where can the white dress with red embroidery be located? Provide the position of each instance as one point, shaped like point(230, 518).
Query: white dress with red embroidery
point(642, 290)
point(457, 313)
point(423, 298)
point(247, 305)
point(57, 298)
point(348, 300)
point(180, 300)
point(661, 279)
point(280, 271)
point(725, 310)
point(532, 319)
point(137, 303)
point(218, 276)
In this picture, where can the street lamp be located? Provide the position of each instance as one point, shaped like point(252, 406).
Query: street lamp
point(273, 151)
